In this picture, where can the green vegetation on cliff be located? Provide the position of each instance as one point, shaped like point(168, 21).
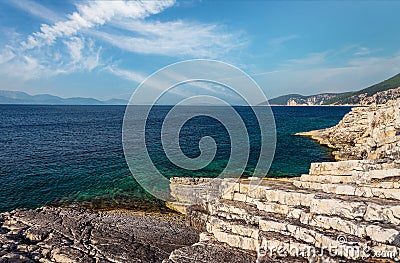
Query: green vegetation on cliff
point(354, 97)
point(378, 93)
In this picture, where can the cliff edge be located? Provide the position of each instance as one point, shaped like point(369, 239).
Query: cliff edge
point(366, 133)
point(345, 211)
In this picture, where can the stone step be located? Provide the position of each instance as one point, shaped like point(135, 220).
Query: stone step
point(355, 209)
point(334, 179)
point(288, 245)
point(235, 211)
point(389, 182)
point(370, 209)
point(235, 233)
point(241, 235)
point(245, 217)
point(248, 237)
point(314, 239)
point(348, 216)
point(275, 247)
point(283, 192)
point(383, 174)
point(350, 167)
point(385, 190)
point(382, 233)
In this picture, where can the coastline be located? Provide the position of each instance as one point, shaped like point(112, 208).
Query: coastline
point(351, 205)
point(316, 135)
point(222, 220)
point(347, 105)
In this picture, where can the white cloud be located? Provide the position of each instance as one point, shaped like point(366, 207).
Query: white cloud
point(73, 42)
point(61, 47)
point(310, 59)
point(177, 38)
point(362, 51)
point(75, 46)
point(94, 14)
point(37, 10)
point(22, 68)
point(81, 55)
point(281, 40)
point(6, 55)
point(126, 74)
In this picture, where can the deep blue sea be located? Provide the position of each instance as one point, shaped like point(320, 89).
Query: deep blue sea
point(74, 154)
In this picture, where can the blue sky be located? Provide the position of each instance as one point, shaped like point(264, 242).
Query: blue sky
point(104, 49)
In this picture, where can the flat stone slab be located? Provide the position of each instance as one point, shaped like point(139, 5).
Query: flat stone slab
point(211, 252)
point(68, 235)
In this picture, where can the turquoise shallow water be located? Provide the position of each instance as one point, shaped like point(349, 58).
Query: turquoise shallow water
point(64, 154)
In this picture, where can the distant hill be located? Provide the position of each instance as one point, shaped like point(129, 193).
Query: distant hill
point(18, 97)
point(379, 93)
point(297, 99)
point(283, 100)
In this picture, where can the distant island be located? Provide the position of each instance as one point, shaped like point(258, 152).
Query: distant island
point(18, 97)
point(379, 93)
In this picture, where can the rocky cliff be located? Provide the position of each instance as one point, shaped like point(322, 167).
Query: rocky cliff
point(346, 211)
point(371, 133)
point(380, 97)
point(297, 99)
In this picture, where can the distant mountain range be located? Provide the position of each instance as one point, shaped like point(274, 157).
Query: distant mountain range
point(18, 97)
point(378, 93)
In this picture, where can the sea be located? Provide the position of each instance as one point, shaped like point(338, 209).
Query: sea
point(73, 155)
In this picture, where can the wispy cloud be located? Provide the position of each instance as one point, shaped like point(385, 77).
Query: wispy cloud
point(37, 10)
point(81, 55)
point(6, 55)
point(341, 55)
point(310, 59)
point(94, 14)
point(176, 38)
point(126, 74)
point(74, 42)
point(61, 46)
point(362, 51)
point(281, 40)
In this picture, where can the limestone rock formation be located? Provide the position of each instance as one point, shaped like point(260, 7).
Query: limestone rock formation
point(346, 211)
point(371, 133)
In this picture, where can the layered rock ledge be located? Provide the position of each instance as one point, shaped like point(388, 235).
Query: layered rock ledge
point(346, 211)
point(369, 133)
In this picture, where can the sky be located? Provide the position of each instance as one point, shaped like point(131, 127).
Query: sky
point(105, 49)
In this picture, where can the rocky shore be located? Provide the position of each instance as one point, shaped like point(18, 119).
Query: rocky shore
point(366, 133)
point(345, 211)
point(69, 235)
